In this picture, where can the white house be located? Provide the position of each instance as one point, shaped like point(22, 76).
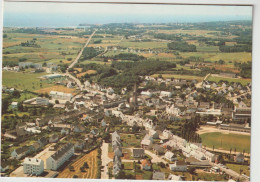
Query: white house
point(14, 105)
point(165, 94)
point(59, 157)
point(170, 156)
point(239, 158)
point(33, 166)
point(20, 152)
point(60, 95)
point(146, 93)
point(178, 166)
point(174, 177)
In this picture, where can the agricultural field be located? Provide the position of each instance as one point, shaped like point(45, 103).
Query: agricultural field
point(59, 88)
point(226, 141)
point(240, 80)
point(25, 81)
point(90, 173)
point(187, 77)
point(51, 48)
point(143, 45)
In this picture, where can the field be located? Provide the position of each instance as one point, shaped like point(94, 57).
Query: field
point(143, 45)
point(90, 173)
point(241, 80)
point(237, 167)
point(188, 77)
point(59, 88)
point(226, 141)
point(24, 81)
point(52, 48)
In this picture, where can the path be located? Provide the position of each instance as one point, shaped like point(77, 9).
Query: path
point(199, 85)
point(105, 160)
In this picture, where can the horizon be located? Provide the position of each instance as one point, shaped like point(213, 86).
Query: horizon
point(18, 14)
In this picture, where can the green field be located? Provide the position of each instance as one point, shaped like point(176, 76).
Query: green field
point(226, 141)
point(240, 80)
point(187, 77)
point(24, 81)
point(237, 167)
point(143, 45)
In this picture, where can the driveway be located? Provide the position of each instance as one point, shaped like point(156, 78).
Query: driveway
point(155, 158)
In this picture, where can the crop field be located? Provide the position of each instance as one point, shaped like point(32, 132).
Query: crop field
point(90, 173)
point(188, 77)
point(143, 45)
point(59, 88)
point(52, 47)
point(240, 80)
point(226, 141)
point(227, 57)
point(24, 81)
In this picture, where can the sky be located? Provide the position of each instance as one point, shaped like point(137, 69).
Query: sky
point(31, 14)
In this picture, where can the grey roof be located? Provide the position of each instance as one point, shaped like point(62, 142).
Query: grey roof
point(36, 145)
point(138, 151)
point(159, 175)
point(62, 151)
point(158, 148)
point(43, 140)
point(22, 149)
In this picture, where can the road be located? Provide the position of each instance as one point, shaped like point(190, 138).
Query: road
point(155, 158)
point(105, 160)
point(199, 85)
point(76, 61)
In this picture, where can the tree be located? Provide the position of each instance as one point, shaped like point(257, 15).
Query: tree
point(16, 94)
point(71, 168)
point(20, 106)
point(85, 165)
point(191, 170)
point(75, 176)
point(5, 36)
point(57, 102)
point(5, 104)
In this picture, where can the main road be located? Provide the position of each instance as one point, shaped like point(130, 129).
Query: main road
point(76, 61)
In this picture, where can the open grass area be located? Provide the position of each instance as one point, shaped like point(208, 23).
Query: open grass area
point(143, 45)
point(187, 77)
point(90, 173)
point(226, 141)
point(237, 167)
point(240, 80)
point(59, 88)
point(130, 140)
point(24, 81)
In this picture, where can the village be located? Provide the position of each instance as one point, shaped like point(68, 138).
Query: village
point(98, 119)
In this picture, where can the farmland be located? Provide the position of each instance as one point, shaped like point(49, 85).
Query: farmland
point(90, 173)
point(58, 88)
point(240, 80)
point(226, 141)
point(188, 77)
point(25, 81)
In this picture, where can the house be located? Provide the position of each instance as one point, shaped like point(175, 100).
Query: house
point(14, 105)
point(33, 166)
point(138, 153)
point(158, 175)
point(154, 134)
point(80, 144)
point(3, 166)
point(40, 122)
point(118, 152)
point(103, 123)
point(78, 128)
point(36, 146)
point(158, 149)
point(42, 101)
point(60, 95)
point(54, 138)
point(60, 156)
point(64, 131)
point(20, 152)
point(170, 156)
point(174, 177)
point(43, 141)
point(167, 134)
point(146, 164)
point(178, 166)
point(94, 132)
point(239, 158)
point(117, 165)
point(165, 94)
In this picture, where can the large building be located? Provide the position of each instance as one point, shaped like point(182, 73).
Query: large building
point(33, 166)
point(59, 157)
point(60, 95)
point(241, 114)
point(42, 101)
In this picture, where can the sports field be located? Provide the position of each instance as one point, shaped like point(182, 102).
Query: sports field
point(226, 141)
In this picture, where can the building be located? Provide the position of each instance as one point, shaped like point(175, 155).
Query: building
point(174, 177)
point(241, 114)
point(178, 166)
point(146, 164)
point(14, 105)
point(60, 95)
point(239, 158)
point(20, 152)
point(158, 175)
point(170, 156)
point(33, 166)
point(138, 153)
point(165, 94)
point(42, 101)
point(59, 157)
